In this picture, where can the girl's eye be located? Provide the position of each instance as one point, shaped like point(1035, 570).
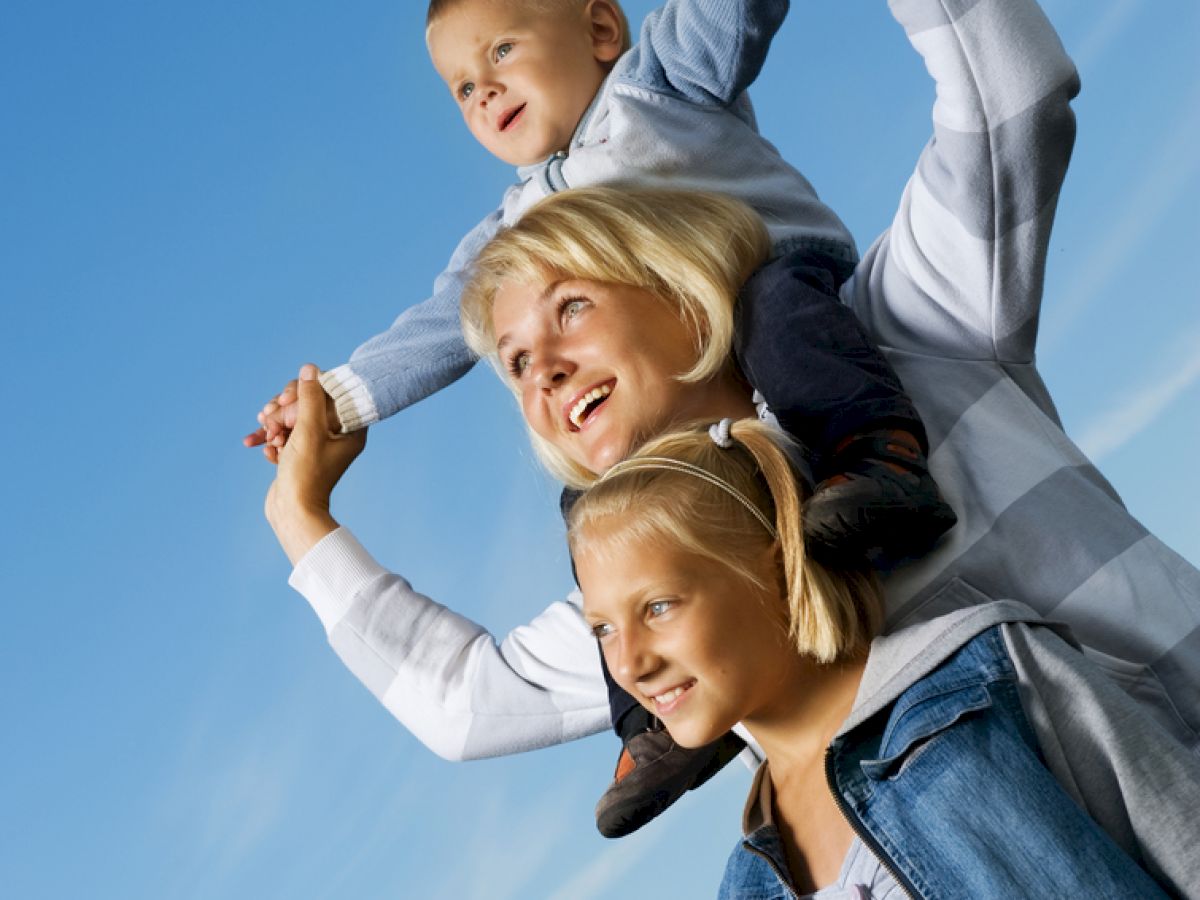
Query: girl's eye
point(601, 630)
point(502, 51)
point(466, 90)
point(517, 364)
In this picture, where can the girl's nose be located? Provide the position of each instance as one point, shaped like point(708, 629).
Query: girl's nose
point(636, 659)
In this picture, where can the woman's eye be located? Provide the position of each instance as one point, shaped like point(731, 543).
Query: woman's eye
point(601, 630)
point(502, 51)
point(570, 309)
point(466, 90)
point(517, 364)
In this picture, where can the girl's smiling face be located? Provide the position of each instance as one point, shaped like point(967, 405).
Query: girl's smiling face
point(694, 642)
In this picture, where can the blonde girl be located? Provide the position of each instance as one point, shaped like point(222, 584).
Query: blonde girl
point(914, 763)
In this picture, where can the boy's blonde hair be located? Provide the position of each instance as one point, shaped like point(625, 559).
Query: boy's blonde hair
point(830, 613)
point(438, 8)
point(692, 249)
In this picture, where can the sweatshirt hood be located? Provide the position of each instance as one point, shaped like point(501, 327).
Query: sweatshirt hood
point(905, 656)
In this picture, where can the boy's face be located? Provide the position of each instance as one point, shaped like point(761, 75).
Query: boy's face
point(523, 78)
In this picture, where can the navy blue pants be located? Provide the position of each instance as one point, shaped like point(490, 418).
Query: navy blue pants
point(809, 356)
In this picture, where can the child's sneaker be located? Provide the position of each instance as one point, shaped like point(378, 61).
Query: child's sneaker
point(882, 499)
point(652, 773)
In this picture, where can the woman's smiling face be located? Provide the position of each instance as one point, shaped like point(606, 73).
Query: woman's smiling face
point(596, 365)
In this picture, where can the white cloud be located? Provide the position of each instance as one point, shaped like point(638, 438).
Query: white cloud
point(1136, 410)
point(229, 793)
point(595, 879)
point(1163, 182)
point(1104, 31)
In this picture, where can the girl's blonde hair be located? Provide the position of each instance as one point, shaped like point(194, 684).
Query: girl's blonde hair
point(692, 249)
point(831, 613)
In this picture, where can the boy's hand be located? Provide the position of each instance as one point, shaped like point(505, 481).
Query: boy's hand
point(277, 419)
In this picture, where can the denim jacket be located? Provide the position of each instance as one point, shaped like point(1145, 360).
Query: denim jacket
point(672, 112)
point(941, 774)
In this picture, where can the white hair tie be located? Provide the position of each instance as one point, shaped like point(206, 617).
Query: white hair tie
point(719, 432)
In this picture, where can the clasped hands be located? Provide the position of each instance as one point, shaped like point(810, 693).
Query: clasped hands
point(309, 464)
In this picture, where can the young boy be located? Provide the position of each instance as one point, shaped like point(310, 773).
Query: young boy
point(554, 88)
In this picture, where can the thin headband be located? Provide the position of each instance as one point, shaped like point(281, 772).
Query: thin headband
point(667, 464)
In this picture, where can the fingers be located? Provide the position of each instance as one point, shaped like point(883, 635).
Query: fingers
point(288, 395)
point(276, 420)
point(310, 413)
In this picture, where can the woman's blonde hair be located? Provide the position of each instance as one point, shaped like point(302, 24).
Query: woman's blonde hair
point(692, 249)
point(831, 612)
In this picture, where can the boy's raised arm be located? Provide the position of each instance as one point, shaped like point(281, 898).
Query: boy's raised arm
point(421, 352)
point(708, 51)
point(960, 272)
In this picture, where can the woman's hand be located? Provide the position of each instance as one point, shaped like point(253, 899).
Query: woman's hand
point(310, 464)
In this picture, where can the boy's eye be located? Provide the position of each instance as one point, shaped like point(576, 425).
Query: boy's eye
point(502, 51)
point(657, 608)
point(466, 90)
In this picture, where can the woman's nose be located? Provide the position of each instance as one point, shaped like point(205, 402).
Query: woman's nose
point(551, 370)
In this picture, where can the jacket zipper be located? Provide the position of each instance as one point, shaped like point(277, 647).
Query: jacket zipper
point(863, 835)
point(784, 878)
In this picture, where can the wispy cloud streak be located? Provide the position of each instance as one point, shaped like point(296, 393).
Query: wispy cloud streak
point(596, 879)
point(1105, 30)
point(1167, 174)
point(1137, 410)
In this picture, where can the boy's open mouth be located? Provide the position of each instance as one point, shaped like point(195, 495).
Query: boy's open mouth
point(587, 403)
point(511, 116)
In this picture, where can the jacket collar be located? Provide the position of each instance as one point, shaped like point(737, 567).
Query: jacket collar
point(896, 662)
point(902, 658)
point(524, 173)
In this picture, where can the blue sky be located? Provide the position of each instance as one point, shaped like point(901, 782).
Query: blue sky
point(196, 198)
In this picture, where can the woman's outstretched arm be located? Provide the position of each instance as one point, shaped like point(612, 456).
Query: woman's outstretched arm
point(443, 676)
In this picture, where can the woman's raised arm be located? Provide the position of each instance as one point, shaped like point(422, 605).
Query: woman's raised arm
point(960, 272)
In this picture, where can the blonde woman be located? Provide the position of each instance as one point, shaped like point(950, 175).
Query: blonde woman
point(975, 755)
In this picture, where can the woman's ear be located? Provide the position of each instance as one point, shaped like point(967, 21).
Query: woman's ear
point(605, 22)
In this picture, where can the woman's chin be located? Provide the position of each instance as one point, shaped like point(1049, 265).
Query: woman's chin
point(603, 457)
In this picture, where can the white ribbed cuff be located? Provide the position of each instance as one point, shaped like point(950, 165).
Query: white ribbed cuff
point(331, 574)
point(355, 408)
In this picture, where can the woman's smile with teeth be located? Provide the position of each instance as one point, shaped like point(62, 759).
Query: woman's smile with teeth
point(581, 405)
